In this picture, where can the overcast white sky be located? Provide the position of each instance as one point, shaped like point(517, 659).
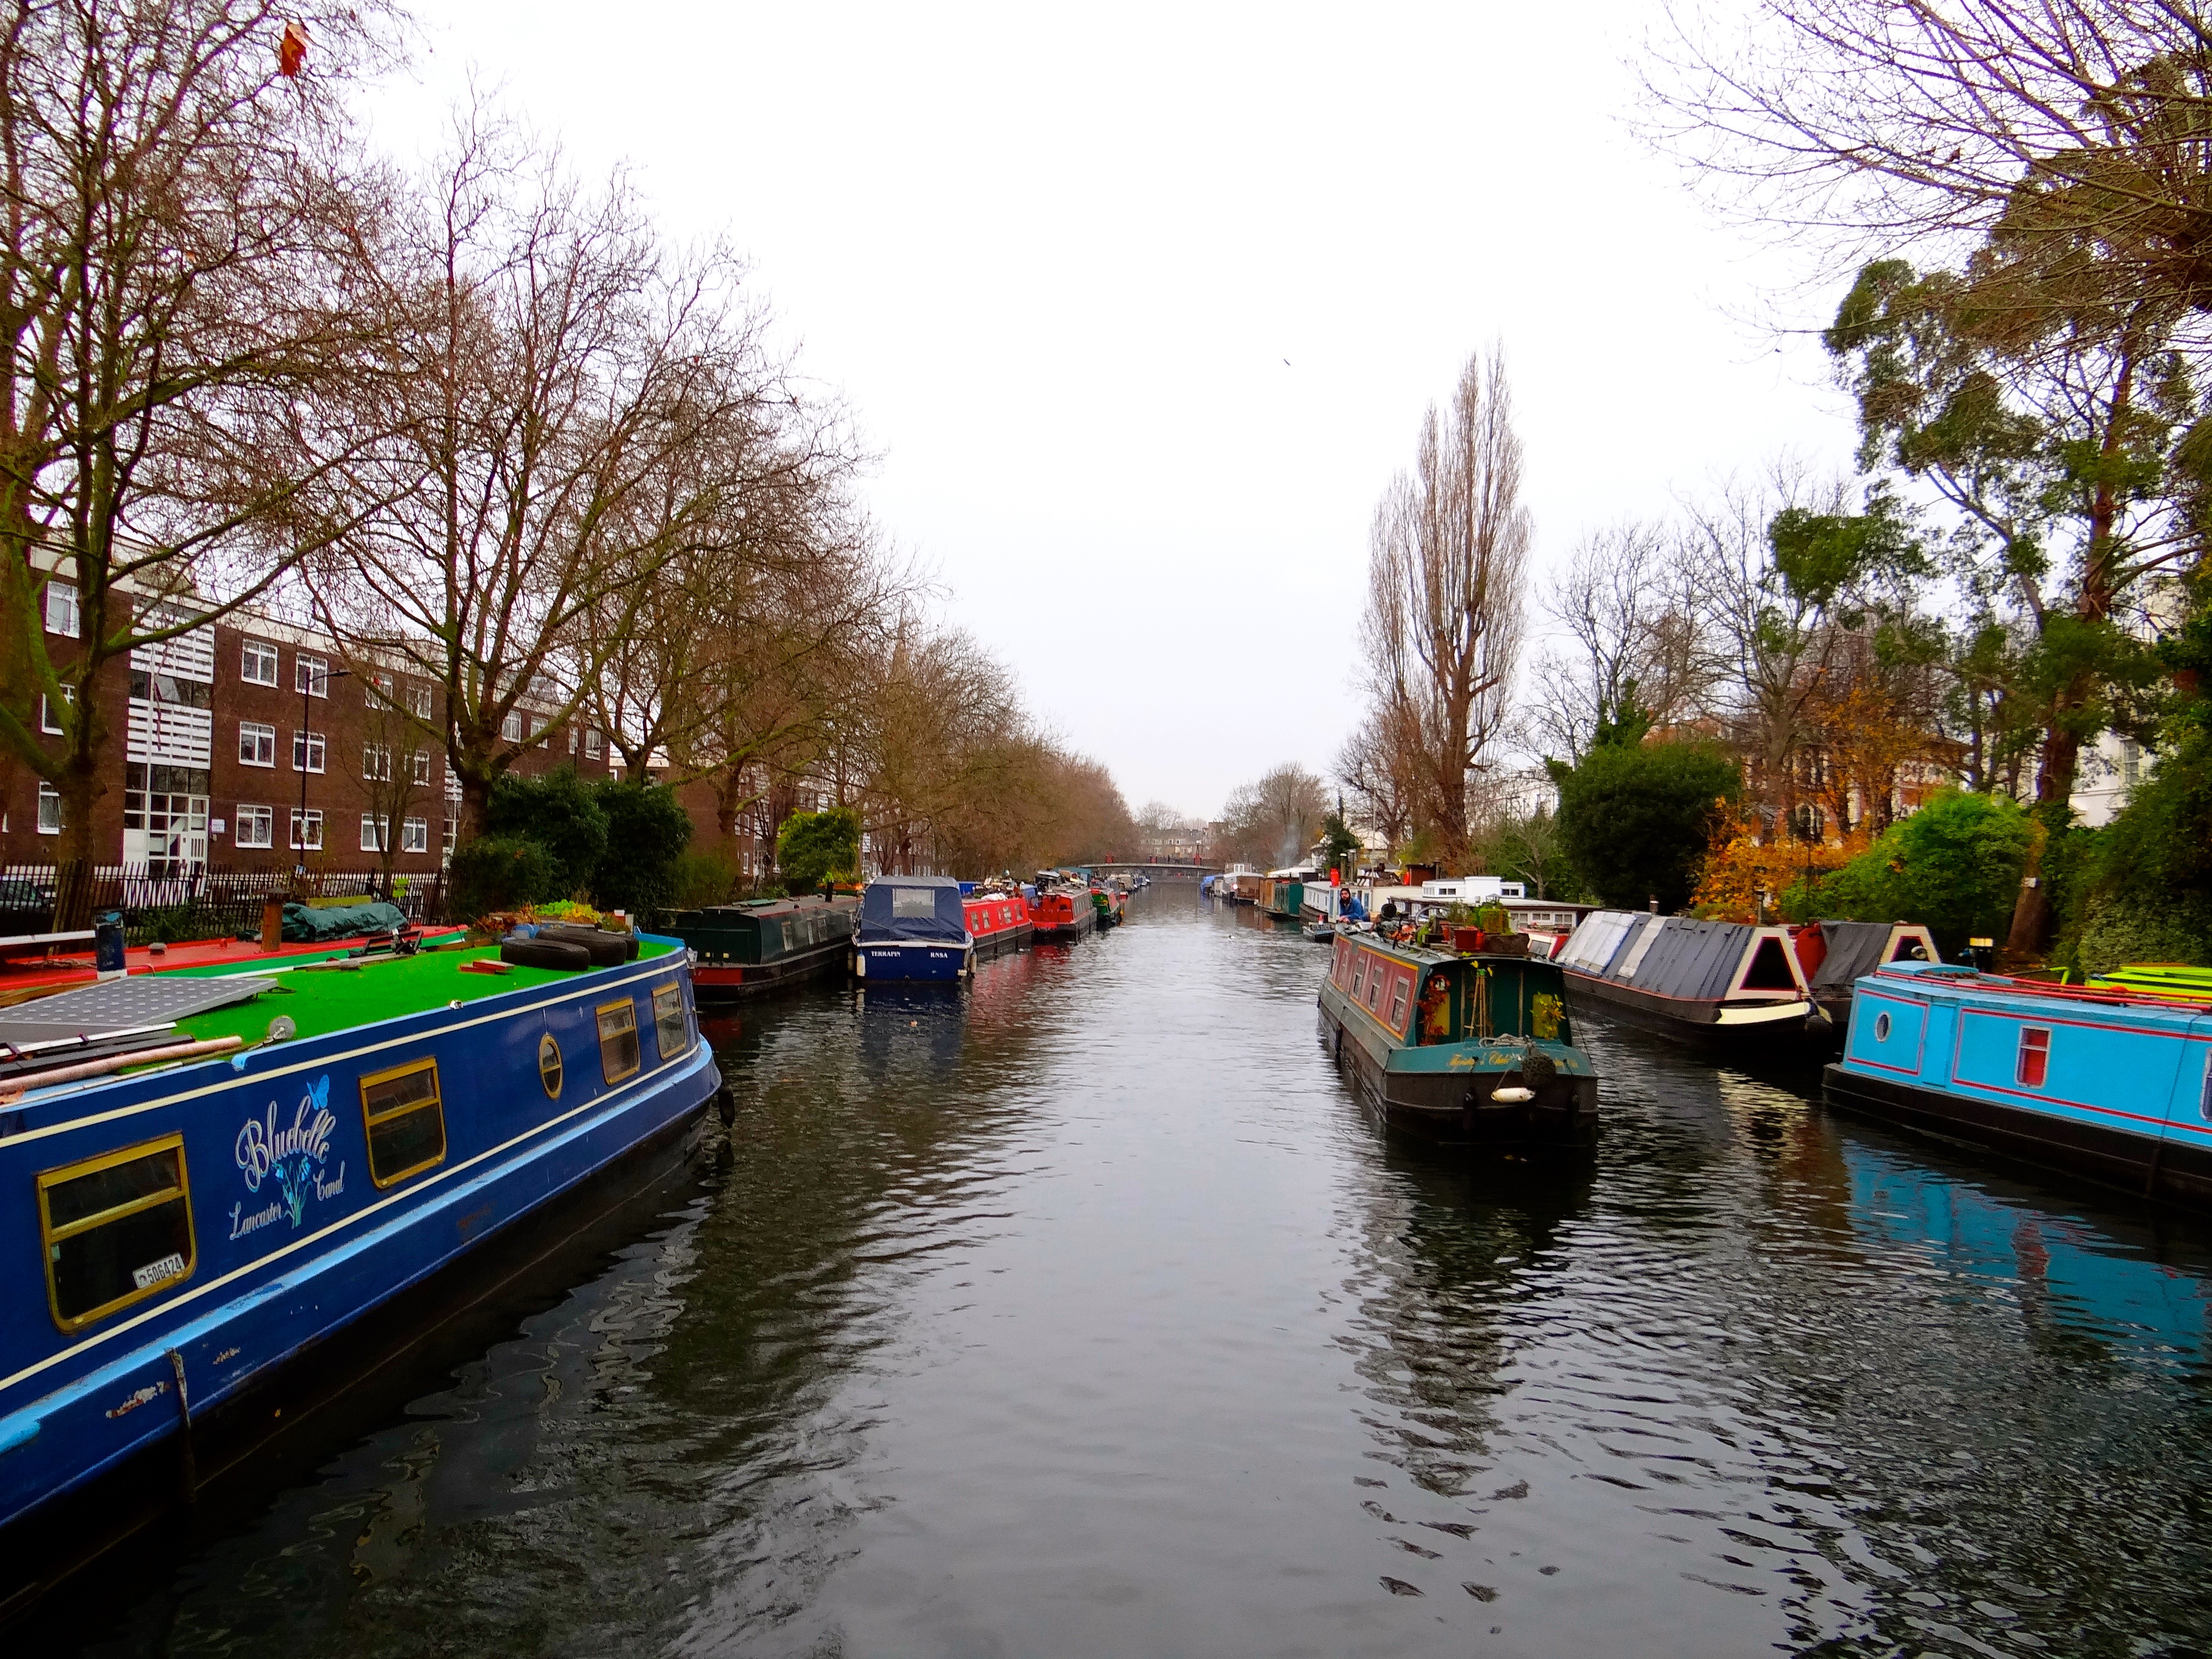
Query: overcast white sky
point(1142, 308)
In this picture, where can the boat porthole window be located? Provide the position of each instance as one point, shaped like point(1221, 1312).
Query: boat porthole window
point(549, 1066)
point(618, 1050)
point(116, 1228)
point(1881, 1028)
point(405, 1117)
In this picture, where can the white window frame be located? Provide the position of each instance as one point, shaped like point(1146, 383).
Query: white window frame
point(318, 751)
point(573, 734)
point(375, 831)
point(47, 723)
point(376, 763)
point(50, 809)
point(64, 615)
point(315, 821)
point(258, 730)
point(258, 652)
point(418, 767)
point(594, 743)
point(418, 701)
point(511, 726)
point(414, 835)
point(255, 826)
point(311, 675)
point(378, 690)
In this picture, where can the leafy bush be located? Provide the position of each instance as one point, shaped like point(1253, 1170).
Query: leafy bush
point(1634, 821)
point(499, 872)
point(813, 847)
point(1954, 865)
point(2119, 929)
point(708, 876)
point(176, 924)
point(647, 830)
point(562, 814)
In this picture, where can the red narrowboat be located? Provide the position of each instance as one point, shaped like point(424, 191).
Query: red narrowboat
point(1063, 911)
point(998, 920)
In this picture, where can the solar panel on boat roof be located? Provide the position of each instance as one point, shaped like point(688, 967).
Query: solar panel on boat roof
point(118, 1005)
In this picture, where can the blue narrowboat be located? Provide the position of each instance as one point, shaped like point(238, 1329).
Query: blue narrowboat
point(913, 927)
point(205, 1198)
point(2111, 1084)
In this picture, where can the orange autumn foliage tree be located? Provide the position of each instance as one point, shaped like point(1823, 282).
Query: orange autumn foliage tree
point(1742, 878)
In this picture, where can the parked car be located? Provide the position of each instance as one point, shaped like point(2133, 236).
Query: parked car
point(26, 907)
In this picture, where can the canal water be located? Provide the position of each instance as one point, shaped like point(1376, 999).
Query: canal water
point(1082, 1313)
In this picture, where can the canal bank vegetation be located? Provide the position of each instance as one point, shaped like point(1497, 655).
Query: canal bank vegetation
point(1966, 684)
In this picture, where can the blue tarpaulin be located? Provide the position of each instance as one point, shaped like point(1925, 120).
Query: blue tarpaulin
point(913, 907)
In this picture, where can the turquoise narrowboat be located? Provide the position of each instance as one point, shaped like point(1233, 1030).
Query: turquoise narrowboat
point(2115, 1086)
point(1469, 1053)
point(204, 1178)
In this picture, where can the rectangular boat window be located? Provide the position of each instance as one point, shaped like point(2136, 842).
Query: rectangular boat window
point(1358, 971)
point(2034, 1063)
point(618, 1056)
point(914, 902)
point(116, 1228)
point(668, 1019)
point(1398, 1001)
point(1374, 982)
point(406, 1121)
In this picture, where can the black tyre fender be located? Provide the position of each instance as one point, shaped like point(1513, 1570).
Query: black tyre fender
point(543, 953)
point(607, 950)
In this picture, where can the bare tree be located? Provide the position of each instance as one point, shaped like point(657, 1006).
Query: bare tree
point(1889, 122)
point(1636, 649)
point(180, 296)
point(575, 409)
point(1276, 819)
point(1446, 571)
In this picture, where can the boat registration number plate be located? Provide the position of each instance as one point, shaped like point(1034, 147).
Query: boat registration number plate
point(155, 1273)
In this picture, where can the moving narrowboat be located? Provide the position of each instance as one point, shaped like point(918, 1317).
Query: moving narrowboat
point(1726, 986)
point(913, 927)
point(206, 1177)
point(1469, 1053)
point(2113, 1084)
point(766, 944)
point(1063, 910)
point(998, 920)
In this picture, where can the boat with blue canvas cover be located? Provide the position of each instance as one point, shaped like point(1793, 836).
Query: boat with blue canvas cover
point(2112, 1085)
point(913, 927)
point(217, 1177)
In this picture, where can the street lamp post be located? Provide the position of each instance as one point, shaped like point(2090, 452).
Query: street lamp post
point(307, 688)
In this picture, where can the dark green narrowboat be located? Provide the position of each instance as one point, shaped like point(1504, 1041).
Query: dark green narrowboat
point(764, 945)
point(1469, 1053)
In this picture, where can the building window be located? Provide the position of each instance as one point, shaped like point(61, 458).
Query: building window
point(377, 690)
point(2034, 1065)
point(48, 721)
point(511, 727)
point(376, 763)
point(257, 663)
point(418, 701)
point(307, 752)
point(592, 742)
point(257, 827)
point(375, 831)
point(572, 739)
point(418, 766)
point(50, 810)
point(2130, 763)
point(257, 745)
point(415, 836)
point(311, 675)
point(312, 842)
point(61, 609)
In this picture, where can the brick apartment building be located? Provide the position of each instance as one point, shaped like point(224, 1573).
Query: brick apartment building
point(223, 726)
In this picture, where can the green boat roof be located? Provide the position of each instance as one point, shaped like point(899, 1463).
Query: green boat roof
point(320, 1000)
